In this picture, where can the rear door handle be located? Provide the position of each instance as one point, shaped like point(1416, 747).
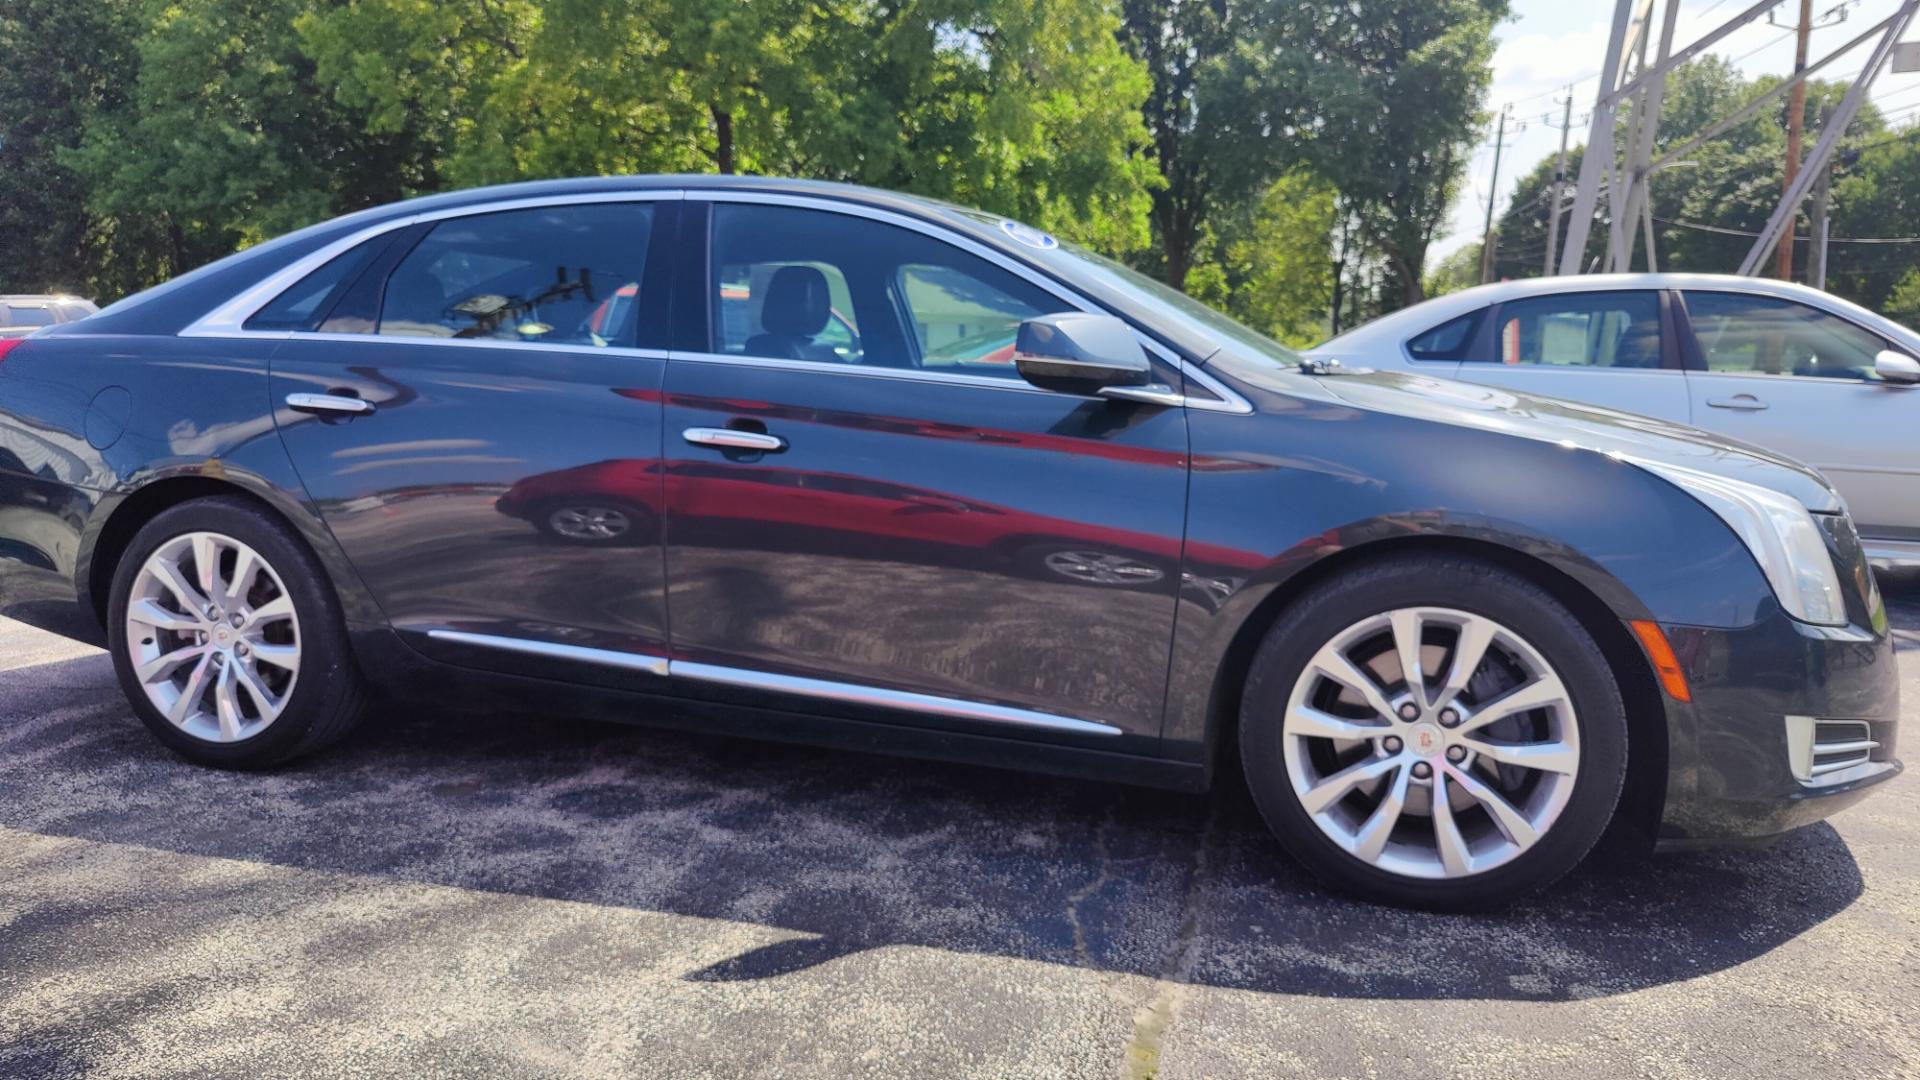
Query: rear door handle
point(729, 439)
point(335, 404)
point(1744, 402)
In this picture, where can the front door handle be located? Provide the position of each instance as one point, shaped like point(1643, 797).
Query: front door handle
point(730, 439)
point(329, 404)
point(1743, 402)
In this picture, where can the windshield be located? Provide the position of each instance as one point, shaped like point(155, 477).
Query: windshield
point(1198, 319)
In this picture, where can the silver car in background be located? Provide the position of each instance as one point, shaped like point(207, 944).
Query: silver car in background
point(1779, 365)
point(22, 315)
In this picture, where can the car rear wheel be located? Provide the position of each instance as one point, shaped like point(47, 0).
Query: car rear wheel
point(227, 640)
point(1434, 732)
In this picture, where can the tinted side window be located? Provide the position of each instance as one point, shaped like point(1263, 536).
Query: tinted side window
point(798, 284)
point(1448, 341)
point(307, 301)
point(558, 274)
point(1758, 335)
point(1608, 330)
point(29, 315)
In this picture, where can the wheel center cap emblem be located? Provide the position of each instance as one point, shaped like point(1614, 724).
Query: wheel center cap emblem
point(223, 634)
point(1425, 739)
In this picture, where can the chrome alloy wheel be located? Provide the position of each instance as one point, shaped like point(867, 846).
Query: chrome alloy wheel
point(213, 636)
point(600, 523)
point(1431, 742)
point(1102, 568)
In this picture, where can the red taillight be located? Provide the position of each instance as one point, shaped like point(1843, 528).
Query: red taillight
point(7, 345)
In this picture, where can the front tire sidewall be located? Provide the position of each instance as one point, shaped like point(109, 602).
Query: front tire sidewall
point(326, 669)
point(1522, 607)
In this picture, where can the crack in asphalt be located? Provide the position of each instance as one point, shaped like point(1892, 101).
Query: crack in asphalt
point(1103, 850)
point(1151, 1022)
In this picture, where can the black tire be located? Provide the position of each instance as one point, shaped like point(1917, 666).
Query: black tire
point(329, 695)
point(1480, 589)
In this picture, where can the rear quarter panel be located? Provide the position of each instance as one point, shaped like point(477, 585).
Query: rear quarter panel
point(88, 420)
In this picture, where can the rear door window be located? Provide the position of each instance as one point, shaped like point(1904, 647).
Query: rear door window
point(29, 315)
point(1580, 330)
point(565, 275)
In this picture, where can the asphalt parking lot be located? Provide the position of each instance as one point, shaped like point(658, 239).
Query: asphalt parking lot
point(461, 895)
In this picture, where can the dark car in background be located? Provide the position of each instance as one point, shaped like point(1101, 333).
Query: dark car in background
point(22, 315)
point(784, 485)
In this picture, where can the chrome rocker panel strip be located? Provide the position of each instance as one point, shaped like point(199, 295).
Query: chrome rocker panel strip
point(651, 665)
point(825, 690)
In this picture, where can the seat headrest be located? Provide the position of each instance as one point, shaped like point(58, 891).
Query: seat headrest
point(797, 303)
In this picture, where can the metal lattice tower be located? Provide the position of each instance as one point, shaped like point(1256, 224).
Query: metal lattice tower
point(1632, 79)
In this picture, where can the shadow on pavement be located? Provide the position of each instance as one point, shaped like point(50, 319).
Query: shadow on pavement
point(850, 852)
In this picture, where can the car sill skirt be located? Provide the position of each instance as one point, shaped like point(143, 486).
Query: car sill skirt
point(821, 689)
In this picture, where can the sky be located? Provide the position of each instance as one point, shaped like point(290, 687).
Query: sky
point(1548, 44)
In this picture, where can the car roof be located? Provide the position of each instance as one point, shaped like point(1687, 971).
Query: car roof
point(1397, 326)
point(171, 305)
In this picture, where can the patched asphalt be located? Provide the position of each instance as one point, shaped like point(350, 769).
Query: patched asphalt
point(472, 896)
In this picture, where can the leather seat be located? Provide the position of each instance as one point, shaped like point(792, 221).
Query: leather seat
point(796, 309)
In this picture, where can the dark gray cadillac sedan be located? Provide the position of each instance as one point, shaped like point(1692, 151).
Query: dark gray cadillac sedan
point(821, 463)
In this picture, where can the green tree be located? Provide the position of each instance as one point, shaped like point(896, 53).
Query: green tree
point(1460, 270)
point(1401, 89)
point(225, 138)
point(1377, 99)
point(1268, 264)
point(1028, 107)
point(60, 64)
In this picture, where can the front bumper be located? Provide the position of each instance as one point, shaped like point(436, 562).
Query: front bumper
point(1742, 759)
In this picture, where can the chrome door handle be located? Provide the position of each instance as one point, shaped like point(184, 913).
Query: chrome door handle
point(329, 403)
point(729, 439)
point(1743, 402)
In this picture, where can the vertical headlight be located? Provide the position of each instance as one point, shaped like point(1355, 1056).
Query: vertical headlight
point(1782, 535)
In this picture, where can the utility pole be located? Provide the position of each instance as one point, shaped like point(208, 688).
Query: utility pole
point(1559, 183)
point(1493, 197)
point(1817, 219)
point(1796, 109)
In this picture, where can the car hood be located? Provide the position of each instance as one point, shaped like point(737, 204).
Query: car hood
point(1567, 423)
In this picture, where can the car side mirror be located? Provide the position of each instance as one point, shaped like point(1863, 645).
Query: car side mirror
point(1077, 353)
point(1896, 367)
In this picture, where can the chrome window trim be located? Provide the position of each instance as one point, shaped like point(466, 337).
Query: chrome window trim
point(855, 694)
point(629, 661)
point(988, 382)
point(1229, 402)
point(822, 689)
point(460, 343)
point(229, 319)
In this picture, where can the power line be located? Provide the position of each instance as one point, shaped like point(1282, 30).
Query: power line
point(1722, 230)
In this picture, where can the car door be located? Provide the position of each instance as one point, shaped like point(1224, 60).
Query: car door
point(868, 506)
point(1611, 348)
point(1801, 381)
point(500, 494)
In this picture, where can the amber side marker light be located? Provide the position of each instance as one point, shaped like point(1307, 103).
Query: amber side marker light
point(1663, 659)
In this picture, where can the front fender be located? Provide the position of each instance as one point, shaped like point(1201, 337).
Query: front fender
point(1276, 493)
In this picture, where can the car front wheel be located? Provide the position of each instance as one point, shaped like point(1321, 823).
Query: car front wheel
point(227, 639)
point(1435, 732)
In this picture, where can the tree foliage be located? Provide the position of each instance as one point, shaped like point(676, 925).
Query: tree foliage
point(1220, 143)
